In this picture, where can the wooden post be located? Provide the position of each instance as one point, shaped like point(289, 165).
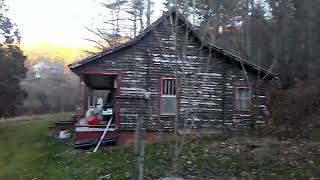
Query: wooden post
point(139, 148)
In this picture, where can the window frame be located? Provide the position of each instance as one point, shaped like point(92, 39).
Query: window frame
point(160, 93)
point(162, 86)
point(237, 111)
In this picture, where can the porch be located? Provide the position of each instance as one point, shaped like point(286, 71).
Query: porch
point(99, 92)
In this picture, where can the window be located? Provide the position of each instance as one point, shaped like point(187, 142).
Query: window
point(168, 96)
point(168, 87)
point(243, 99)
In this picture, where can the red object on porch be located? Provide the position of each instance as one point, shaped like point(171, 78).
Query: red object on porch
point(93, 120)
point(85, 71)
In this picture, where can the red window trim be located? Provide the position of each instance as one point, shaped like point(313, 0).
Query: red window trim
point(234, 107)
point(160, 85)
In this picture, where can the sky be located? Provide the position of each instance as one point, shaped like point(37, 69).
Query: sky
point(58, 22)
point(55, 29)
point(51, 21)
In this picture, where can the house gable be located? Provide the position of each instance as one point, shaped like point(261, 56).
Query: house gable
point(171, 14)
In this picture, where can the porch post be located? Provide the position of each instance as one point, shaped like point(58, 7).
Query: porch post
point(81, 95)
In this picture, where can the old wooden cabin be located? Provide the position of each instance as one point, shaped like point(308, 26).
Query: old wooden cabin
point(167, 66)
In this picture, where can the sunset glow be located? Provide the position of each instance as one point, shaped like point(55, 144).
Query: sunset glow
point(56, 28)
point(56, 22)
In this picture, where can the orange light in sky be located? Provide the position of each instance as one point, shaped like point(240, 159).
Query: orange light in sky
point(44, 24)
point(53, 21)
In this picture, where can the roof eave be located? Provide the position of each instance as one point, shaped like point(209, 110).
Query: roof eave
point(77, 64)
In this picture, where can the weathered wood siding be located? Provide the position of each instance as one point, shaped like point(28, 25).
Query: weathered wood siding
point(207, 82)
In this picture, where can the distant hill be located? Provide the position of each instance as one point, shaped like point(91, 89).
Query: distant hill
point(54, 53)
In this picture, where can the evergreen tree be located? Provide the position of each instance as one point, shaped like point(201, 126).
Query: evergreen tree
point(12, 69)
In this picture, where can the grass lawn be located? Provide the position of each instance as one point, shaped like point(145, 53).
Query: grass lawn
point(27, 152)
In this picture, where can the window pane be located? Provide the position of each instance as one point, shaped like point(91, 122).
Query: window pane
point(168, 87)
point(244, 92)
point(245, 105)
point(172, 84)
point(164, 85)
point(168, 105)
point(174, 87)
point(243, 99)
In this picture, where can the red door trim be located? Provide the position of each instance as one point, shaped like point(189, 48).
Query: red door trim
point(118, 74)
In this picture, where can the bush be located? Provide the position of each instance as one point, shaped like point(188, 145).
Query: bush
point(297, 106)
